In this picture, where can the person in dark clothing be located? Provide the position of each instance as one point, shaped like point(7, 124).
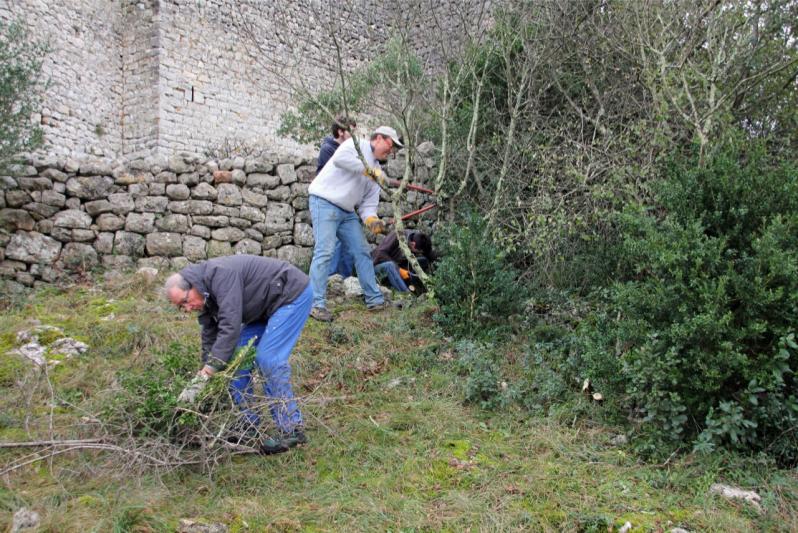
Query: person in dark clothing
point(243, 299)
point(342, 262)
point(341, 130)
point(391, 264)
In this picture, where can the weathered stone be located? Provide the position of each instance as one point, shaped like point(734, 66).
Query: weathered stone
point(247, 246)
point(126, 243)
point(61, 234)
point(222, 176)
point(166, 177)
point(305, 174)
point(154, 263)
point(26, 519)
point(53, 198)
point(78, 256)
point(72, 203)
point(238, 176)
point(89, 187)
point(211, 221)
point(152, 204)
point(352, 288)
point(254, 234)
point(98, 207)
point(55, 175)
point(226, 164)
point(200, 231)
point(109, 222)
point(17, 198)
point(178, 165)
point(140, 222)
point(165, 244)
point(71, 165)
point(279, 194)
point(104, 243)
point(96, 168)
point(279, 217)
point(191, 207)
point(263, 181)
point(286, 173)
point(137, 190)
point(194, 248)
point(14, 219)
point(39, 210)
point(178, 191)
point(118, 262)
point(258, 165)
point(126, 178)
point(302, 216)
point(156, 189)
point(426, 149)
point(303, 234)
point(72, 218)
point(32, 247)
point(83, 235)
point(227, 234)
point(35, 184)
point(252, 198)
point(219, 248)
point(204, 191)
point(240, 222)
point(24, 278)
point(60, 188)
point(8, 268)
point(295, 255)
point(189, 179)
point(44, 226)
point(252, 213)
point(228, 194)
point(226, 211)
point(22, 170)
point(300, 202)
point(173, 223)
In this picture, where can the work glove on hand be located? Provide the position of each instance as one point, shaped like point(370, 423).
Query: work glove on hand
point(375, 225)
point(194, 388)
point(404, 274)
point(376, 174)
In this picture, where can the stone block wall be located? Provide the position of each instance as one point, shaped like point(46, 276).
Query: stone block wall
point(59, 216)
point(82, 103)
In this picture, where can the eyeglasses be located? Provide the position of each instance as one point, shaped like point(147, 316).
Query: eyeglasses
point(184, 301)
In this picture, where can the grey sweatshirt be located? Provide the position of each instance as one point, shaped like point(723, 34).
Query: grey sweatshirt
point(341, 181)
point(238, 290)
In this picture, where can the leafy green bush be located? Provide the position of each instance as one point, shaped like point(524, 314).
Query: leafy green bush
point(475, 285)
point(697, 342)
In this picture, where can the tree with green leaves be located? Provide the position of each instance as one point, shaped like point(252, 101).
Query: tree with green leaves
point(20, 80)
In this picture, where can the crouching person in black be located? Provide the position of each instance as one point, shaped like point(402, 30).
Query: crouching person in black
point(390, 263)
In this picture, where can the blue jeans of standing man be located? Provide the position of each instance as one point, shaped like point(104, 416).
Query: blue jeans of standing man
point(329, 222)
point(390, 270)
point(273, 340)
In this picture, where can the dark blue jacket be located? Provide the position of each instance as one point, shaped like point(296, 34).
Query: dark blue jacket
point(328, 148)
point(238, 290)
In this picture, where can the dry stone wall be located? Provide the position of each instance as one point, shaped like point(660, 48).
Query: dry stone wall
point(61, 216)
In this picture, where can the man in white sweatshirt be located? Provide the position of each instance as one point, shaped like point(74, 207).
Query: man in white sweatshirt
point(342, 187)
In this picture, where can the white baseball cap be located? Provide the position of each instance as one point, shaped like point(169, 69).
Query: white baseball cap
point(389, 132)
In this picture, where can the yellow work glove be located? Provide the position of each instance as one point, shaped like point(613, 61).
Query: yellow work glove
point(375, 225)
point(376, 174)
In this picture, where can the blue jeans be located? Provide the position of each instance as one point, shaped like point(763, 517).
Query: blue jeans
point(390, 270)
point(342, 262)
point(331, 222)
point(273, 340)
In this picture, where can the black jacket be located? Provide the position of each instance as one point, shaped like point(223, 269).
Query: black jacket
point(238, 290)
point(328, 148)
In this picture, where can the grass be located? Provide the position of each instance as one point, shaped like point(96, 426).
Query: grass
point(392, 446)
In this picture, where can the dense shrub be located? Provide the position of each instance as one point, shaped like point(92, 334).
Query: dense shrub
point(697, 341)
point(475, 285)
